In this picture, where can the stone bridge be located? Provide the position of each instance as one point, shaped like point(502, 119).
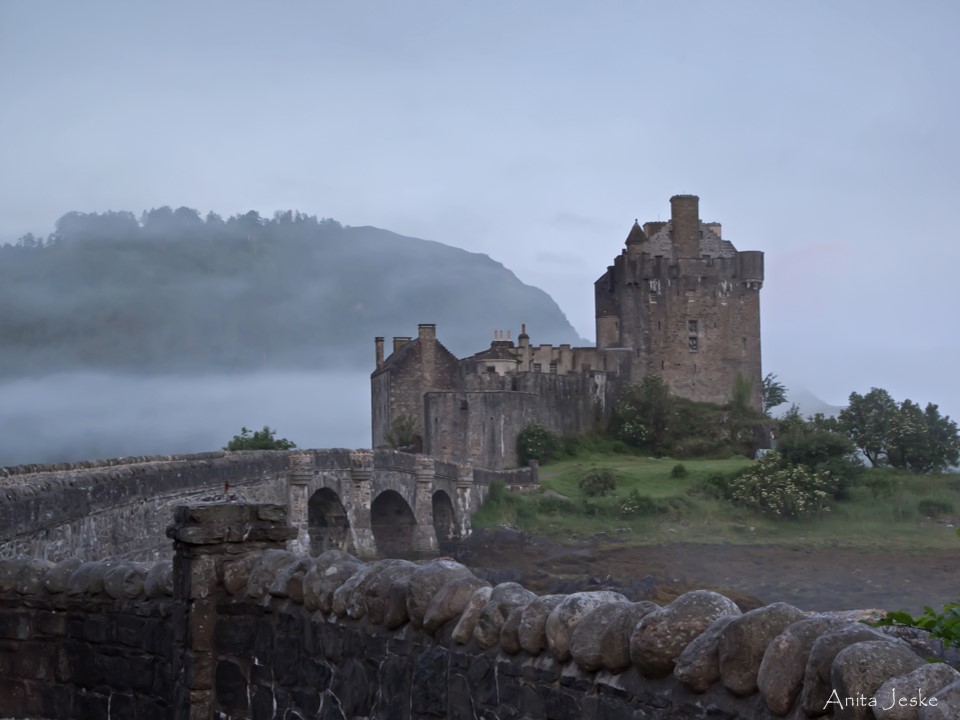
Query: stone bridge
point(369, 503)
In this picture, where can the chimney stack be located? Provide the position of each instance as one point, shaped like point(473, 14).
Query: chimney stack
point(685, 216)
point(378, 341)
point(427, 332)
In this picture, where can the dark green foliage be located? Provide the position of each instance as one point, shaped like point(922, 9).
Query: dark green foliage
point(598, 483)
point(945, 625)
point(867, 420)
point(537, 442)
point(904, 435)
point(644, 416)
point(555, 505)
point(402, 431)
point(678, 471)
point(259, 440)
point(637, 505)
point(774, 392)
point(809, 443)
point(647, 416)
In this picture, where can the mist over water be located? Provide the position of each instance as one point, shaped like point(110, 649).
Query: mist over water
point(84, 416)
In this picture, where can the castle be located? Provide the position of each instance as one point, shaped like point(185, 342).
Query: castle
point(679, 302)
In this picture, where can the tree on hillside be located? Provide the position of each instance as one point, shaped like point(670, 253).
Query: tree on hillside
point(774, 392)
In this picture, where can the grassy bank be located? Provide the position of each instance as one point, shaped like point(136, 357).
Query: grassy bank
point(886, 510)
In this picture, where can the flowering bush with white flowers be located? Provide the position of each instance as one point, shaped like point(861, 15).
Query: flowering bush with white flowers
point(782, 490)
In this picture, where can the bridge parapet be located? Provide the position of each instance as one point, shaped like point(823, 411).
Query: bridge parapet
point(114, 508)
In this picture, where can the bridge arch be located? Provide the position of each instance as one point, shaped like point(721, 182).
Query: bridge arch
point(445, 523)
point(327, 520)
point(394, 525)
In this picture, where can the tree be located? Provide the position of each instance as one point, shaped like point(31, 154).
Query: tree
point(922, 440)
point(645, 414)
point(774, 392)
point(259, 440)
point(868, 420)
point(904, 436)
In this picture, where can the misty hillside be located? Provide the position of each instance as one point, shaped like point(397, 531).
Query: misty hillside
point(173, 291)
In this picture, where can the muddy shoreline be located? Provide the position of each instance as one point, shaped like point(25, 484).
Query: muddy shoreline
point(810, 579)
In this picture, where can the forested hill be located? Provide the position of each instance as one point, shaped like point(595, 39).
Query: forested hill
point(174, 291)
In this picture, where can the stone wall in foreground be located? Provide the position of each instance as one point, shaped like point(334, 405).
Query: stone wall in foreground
point(259, 632)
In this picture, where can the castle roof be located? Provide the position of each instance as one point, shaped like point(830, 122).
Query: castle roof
point(497, 351)
point(710, 243)
point(636, 234)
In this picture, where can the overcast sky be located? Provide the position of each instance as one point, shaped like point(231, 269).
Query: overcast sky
point(823, 133)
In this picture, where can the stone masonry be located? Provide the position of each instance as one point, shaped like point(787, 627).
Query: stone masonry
point(238, 627)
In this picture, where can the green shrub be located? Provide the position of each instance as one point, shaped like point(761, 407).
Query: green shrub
point(571, 445)
point(945, 625)
point(598, 483)
point(537, 442)
point(780, 490)
point(934, 508)
point(594, 508)
point(715, 487)
point(553, 505)
point(637, 505)
point(259, 440)
point(496, 493)
point(679, 470)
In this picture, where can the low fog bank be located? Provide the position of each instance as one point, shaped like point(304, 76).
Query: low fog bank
point(84, 416)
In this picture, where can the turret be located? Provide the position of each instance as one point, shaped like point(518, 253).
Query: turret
point(636, 238)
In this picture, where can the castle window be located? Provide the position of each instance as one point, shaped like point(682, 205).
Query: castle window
point(553, 368)
point(537, 367)
point(491, 368)
point(692, 326)
point(693, 343)
point(658, 325)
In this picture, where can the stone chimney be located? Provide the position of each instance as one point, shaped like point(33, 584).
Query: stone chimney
point(685, 216)
point(427, 332)
point(378, 341)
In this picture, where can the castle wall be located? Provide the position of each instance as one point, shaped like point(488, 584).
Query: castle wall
point(239, 629)
point(482, 421)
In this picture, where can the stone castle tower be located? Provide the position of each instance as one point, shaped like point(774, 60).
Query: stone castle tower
point(679, 302)
point(687, 303)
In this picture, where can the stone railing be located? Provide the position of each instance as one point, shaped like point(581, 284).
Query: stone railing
point(239, 627)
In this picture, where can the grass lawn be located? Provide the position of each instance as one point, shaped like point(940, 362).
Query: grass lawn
point(886, 510)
